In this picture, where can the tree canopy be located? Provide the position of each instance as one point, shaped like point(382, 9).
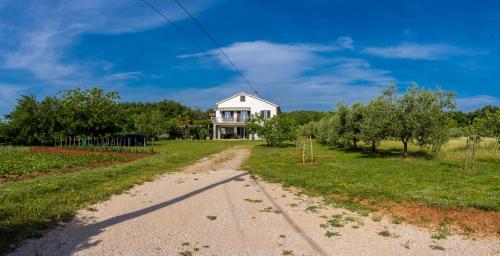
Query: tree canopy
point(95, 112)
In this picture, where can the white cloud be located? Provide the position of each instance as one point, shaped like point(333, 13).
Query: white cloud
point(41, 33)
point(475, 102)
point(408, 50)
point(300, 75)
point(346, 42)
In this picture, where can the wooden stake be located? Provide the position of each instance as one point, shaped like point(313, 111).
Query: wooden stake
point(473, 151)
point(303, 151)
point(466, 153)
point(312, 153)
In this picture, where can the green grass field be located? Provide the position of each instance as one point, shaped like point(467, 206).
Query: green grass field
point(349, 175)
point(19, 161)
point(30, 207)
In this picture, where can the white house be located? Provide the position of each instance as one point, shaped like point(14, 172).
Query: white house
point(232, 113)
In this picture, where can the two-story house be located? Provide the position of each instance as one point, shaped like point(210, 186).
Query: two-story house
point(232, 113)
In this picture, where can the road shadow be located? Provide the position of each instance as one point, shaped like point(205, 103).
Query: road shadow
point(77, 235)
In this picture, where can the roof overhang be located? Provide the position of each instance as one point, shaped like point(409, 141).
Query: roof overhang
point(234, 109)
point(249, 95)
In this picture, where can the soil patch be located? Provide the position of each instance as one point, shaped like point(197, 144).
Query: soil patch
point(124, 156)
point(465, 221)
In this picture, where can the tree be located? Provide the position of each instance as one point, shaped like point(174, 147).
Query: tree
point(327, 130)
point(354, 121)
point(49, 124)
point(376, 122)
point(3, 132)
point(489, 124)
point(91, 112)
point(274, 130)
point(150, 123)
point(23, 121)
point(420, 116)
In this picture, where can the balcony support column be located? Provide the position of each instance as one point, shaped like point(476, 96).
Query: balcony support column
point(214, 132)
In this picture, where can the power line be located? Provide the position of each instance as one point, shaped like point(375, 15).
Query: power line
point(216, 44)
point(186, 35)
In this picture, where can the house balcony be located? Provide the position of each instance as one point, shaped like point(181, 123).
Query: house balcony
point(228, 120)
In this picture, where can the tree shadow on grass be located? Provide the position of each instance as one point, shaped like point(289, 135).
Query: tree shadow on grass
point(366, 152)
point(281, 145)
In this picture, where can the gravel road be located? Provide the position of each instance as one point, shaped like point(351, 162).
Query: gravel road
point(213, 208)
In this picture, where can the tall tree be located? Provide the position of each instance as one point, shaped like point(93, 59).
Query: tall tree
point(376, 122)
point(150, 123)
point(420, 116)
point(489, 124)
point(354, 122)
point(23, 121)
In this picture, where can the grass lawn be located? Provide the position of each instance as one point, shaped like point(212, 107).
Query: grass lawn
point(18, 161)
point(350, 175)
point(28, 208)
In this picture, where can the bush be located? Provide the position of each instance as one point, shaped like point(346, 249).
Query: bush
point(275, 130)
point(457, 132)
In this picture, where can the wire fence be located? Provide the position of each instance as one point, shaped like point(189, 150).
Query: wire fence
point(126, 144)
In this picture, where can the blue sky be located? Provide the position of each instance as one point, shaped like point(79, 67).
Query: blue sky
point(299, 54)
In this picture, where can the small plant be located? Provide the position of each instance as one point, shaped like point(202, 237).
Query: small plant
point(277, 211)
point(282, 236)
point(312, 209)
point(425, 218)
point(355, 226)
point(186, 253)
point(376, 218)
point(330, 234)
point(294, 205)
point(185, 244)
point(205, 246)
point(211, 217)
point(336, 221)
point(92, 209)
point(323, 225)
point(436, 247)
point(443, 231)
point(253, 200)
point(287, 252)
point(350, 219)
point(384, 233)
point(267, 209)
point(397, 220)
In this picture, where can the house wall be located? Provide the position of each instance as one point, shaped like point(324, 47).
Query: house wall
point(255, 104)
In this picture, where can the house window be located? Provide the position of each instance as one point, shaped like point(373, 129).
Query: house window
point(242, 98)
point(265, 113)
point(228, 115)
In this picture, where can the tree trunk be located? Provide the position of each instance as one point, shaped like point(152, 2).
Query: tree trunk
point(405, 149)
point(373, 147)
point(354, 141)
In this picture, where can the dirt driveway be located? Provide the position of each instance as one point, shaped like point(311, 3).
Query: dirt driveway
point(212, 208)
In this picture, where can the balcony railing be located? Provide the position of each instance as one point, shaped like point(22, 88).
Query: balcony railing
point(228, 120)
